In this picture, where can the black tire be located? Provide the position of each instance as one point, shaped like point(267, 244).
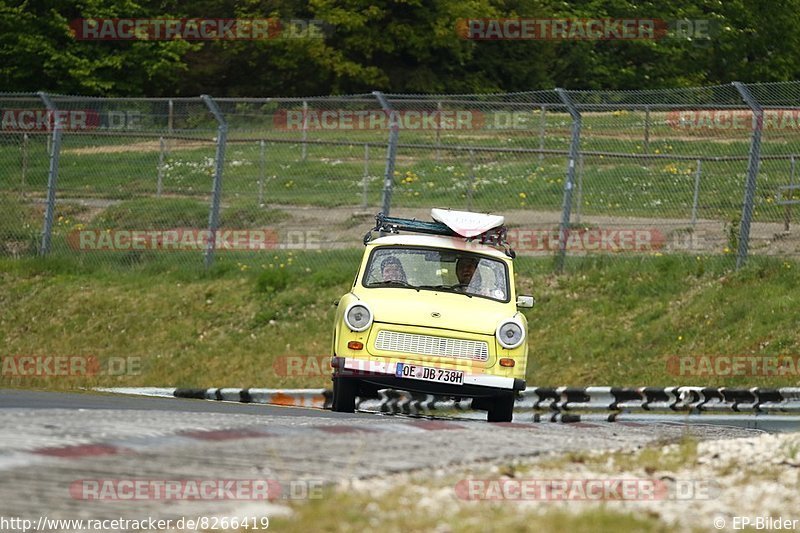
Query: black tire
point(344, 395)
point(502, 408)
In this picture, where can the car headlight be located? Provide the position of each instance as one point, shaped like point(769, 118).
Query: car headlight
point(357, 316)
point(510, 334)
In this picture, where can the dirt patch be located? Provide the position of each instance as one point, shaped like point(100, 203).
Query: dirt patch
point(344, 227)
point(141, 147)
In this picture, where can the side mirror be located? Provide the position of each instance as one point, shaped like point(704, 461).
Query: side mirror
point(525, 302)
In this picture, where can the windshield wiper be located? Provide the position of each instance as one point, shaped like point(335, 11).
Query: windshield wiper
point(393, 282)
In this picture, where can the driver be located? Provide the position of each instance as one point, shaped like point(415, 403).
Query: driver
point(469, 276)
point(465, 269)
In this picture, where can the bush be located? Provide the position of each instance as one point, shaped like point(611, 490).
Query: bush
point(273, 280)
point(154, 213)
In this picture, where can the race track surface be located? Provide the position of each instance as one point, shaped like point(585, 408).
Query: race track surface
point(56, 449)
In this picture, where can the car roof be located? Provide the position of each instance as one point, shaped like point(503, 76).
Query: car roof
point(437, 241)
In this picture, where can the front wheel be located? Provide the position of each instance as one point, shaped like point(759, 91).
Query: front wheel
point(344, 395)
point(502, 408)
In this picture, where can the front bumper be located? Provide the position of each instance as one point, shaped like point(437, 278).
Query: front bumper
point(383, 375)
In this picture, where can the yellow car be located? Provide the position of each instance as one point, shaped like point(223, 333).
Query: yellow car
point(433, 309)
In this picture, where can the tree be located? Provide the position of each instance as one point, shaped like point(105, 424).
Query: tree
point(409, 46)
point(38, 52)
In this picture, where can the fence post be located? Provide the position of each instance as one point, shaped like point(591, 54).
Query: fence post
point(170, 116)
point(787, 209)
point(366, 176)
point(170, 119)
point(579, 199)
point(52, 175)
point(160, 184)
point(752, 172)
point(542, 132)
point(697, 174)
point(438, 131)
point(646, 145)
point(216, 191)
point(304, 148)
point(24, 159)
point(391, 152)
point(262, 171)
point(471, 183)
point(574, 152)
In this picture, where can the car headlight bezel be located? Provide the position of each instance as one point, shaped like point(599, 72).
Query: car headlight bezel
point(366, 325)
point(502, 339)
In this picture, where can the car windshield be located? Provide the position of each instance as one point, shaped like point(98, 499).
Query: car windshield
point(438, 269)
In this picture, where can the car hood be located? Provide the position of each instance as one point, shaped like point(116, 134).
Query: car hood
point(442, 310)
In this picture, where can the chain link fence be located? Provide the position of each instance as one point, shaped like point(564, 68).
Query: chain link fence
point(243, 182)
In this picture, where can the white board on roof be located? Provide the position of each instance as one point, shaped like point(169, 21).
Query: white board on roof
point(466, 223)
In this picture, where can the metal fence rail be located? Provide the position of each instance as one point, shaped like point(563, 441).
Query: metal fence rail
point(703, 170)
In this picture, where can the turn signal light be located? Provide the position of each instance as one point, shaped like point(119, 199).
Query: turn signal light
point(355, 345)
point(506, 361)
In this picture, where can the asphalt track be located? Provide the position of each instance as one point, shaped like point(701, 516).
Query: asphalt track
point(13, 398)
point(53, 444)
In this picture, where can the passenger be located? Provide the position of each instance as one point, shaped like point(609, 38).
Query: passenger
point(392, 270)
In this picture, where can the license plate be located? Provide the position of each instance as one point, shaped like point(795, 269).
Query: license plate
point(426, 373)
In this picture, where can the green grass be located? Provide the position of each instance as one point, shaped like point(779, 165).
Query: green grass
point(19, 227)
point(618, 321)
point(21, 222)
point(429, 501)
point(166, 213)
point(399, 510)
point(186, 326)
point(609, 321)
point(671, 455)
point(332, 175)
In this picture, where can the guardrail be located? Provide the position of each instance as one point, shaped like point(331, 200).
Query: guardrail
point(553, 400)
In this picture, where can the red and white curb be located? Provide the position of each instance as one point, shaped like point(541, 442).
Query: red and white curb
point(145, 444)
point(320, 398)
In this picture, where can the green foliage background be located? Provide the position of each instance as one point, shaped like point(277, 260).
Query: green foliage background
point(391, 45)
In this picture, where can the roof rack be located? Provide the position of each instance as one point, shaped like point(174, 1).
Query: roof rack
point(385, 224)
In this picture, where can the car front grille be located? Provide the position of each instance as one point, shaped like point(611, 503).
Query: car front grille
point(395, 341)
